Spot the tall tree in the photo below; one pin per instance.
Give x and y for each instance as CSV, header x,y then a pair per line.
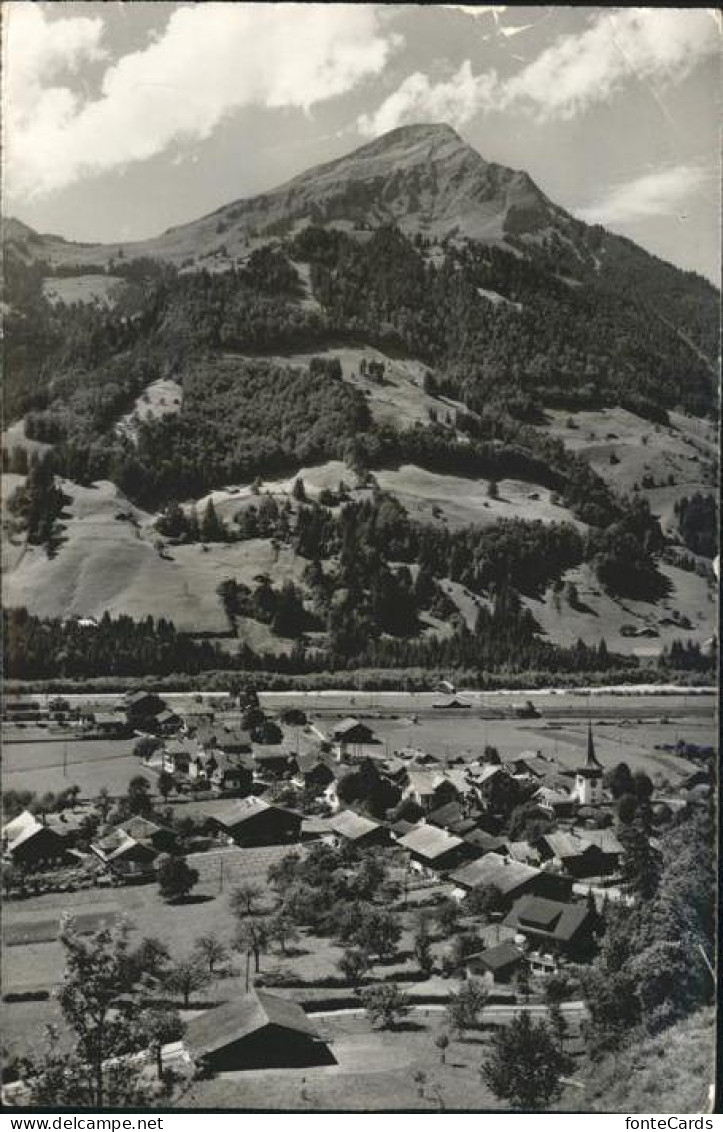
x,y
525,1065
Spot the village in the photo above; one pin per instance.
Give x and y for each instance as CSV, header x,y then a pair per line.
x,y
300,879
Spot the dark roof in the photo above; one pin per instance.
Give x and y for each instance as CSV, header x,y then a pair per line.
x,y
403,827
446,816
220,1027
485,841
551,918
139,696
591,768
500,956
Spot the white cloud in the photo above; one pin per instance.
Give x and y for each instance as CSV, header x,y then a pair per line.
x,y
662,193
213,58
576,71
417,100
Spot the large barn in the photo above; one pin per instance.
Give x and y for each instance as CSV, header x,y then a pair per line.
x,y
256,1031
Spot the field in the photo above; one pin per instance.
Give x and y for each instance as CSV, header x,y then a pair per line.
x,y
108,560
685,451
88,763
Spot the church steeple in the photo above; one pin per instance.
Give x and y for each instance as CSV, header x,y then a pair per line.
x,y
588,777
591,762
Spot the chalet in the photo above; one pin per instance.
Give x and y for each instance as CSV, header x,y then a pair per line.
x,y
166,723
31,845
256,1031
574,855
252,821
433,849
273,762
231,772
430,789
559,803
110,724
530,765
453,818
312,772
142,708
562,929
352,732
512,878
498,965
149,832
610,851
178,754
233,741
126,857
353,829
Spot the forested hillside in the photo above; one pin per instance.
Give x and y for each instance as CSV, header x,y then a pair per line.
x,y
503,333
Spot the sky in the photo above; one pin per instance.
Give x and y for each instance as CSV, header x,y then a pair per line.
x,y
123,119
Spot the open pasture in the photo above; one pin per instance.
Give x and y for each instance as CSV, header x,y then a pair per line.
x,y
88,763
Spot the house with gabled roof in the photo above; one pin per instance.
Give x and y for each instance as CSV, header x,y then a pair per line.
x,y
498,965
253,821
433,849
352,732
355,829
430,789
313,772
125,856
31,845
153,833
256,1031
511,878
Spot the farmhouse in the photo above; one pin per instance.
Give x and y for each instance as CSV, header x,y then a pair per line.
x,y
512,878
142,708
252,821
273,762
575,855
110,724
497,965
125,856
256,1031
563,929
166,722
312,772
351,733
356,830
152,833
432,848
430,789
30,844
